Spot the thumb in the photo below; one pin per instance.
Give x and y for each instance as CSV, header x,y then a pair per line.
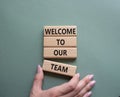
x,y
37,83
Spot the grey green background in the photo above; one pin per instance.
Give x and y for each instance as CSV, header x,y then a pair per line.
x,y
21,43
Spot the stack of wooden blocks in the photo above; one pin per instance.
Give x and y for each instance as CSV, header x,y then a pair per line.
x,y
60,42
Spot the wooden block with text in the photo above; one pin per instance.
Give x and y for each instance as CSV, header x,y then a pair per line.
x,y
51,31
60,42
62,53
59,68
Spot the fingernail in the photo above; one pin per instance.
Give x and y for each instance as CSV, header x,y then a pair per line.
x,y
89,94
91,76
78,75
92,83
38,69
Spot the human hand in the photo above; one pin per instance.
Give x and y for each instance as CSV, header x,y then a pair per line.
x,y
73,88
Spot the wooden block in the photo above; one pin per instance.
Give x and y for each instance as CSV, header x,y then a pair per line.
x,y
60,53
60,41
60,31
59,68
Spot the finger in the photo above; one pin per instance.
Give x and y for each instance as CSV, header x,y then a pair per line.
x,y
88,87
80,86
38,78
66,87
88,94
